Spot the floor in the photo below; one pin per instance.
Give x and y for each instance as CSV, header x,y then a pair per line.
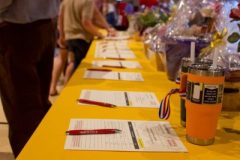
x,y
5,149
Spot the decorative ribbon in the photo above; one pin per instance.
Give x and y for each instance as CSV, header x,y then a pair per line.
x,y
173,13
164,110
218,40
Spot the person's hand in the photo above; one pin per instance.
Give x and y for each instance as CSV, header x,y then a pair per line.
x,y
112,32
61,42
101,36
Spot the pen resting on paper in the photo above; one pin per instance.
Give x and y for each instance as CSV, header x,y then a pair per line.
x,y
91,102
93,131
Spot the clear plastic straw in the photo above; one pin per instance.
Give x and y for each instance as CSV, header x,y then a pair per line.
x,y
192,52
215,58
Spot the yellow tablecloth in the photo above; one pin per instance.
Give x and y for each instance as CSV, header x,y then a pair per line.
x,y
48,140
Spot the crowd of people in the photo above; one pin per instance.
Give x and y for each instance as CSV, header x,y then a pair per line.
x,y
76,28
115,18
30,32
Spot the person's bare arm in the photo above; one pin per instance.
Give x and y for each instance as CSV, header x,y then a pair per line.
x,y
88,16
99,19
61,40
91,28
101,22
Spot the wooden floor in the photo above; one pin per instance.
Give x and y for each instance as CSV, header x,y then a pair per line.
x,y
6,156
5,149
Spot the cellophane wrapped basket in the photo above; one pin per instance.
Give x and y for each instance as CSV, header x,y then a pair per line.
x,y
228,53
194,22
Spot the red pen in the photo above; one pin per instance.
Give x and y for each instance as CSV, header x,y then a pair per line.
x,y
103,104
96,69
113,66
115,58
93,131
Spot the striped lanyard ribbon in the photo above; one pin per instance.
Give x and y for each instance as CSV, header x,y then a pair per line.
x,y
164,110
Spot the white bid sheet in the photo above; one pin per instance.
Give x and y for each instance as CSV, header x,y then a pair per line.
x,y
122,98
148,136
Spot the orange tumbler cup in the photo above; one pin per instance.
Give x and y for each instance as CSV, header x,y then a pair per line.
x,y
203,103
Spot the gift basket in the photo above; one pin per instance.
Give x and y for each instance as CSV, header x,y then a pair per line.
x,y
193,24
153,47
164,12
227,50
152,35
149,18
209,84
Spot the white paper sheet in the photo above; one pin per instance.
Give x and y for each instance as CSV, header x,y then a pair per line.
x,y
123,42
115,55
118,36
110,48
113,50
122,98
112,45
124,76
122,37
148,136
125,64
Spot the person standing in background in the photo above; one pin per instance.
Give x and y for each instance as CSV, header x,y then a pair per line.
x,y
129,9
61,62
111,13
27,42
136,5
81,22
122,19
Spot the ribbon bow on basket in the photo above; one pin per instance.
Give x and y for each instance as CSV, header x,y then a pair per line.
x,y
218,40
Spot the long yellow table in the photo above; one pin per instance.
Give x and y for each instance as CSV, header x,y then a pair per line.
x,y
47,142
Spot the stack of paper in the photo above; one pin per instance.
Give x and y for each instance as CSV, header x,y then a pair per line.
x,y
149,136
